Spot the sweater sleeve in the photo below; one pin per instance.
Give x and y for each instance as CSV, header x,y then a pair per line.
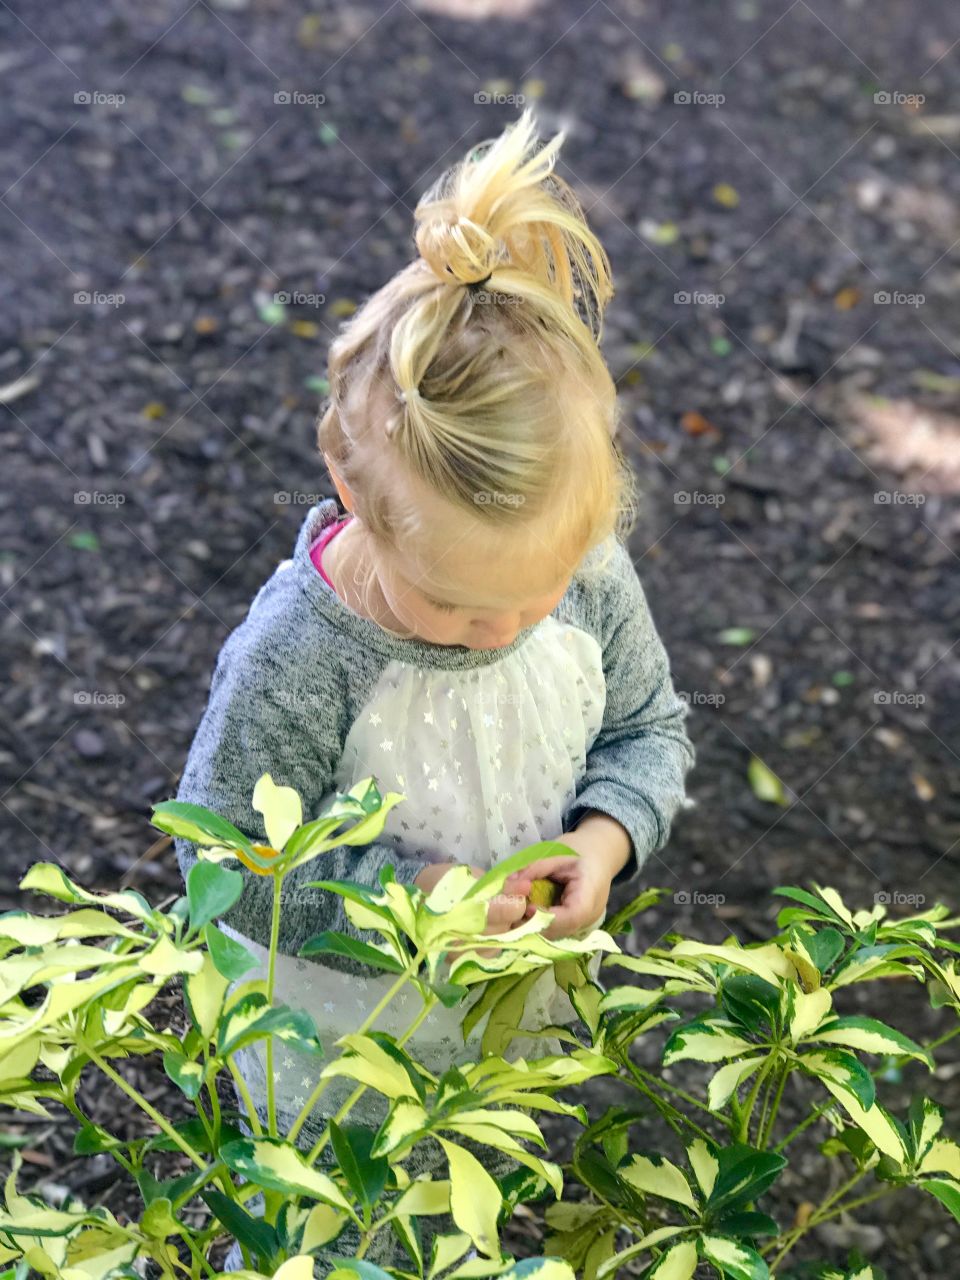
x,y
637,765
258,721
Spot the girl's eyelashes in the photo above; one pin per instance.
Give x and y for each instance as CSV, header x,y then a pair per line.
x,y
441,608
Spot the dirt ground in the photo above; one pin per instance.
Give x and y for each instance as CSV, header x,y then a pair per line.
x,y
777,187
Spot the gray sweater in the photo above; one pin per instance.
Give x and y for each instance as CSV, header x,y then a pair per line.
x,y
298,683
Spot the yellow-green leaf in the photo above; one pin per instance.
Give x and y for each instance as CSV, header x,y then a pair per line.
x,y
809,1010
281,809
655,1176
475,1198
678,1263
704,1164
765,783
728,1078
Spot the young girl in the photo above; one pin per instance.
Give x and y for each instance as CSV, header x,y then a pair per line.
x,y
473,633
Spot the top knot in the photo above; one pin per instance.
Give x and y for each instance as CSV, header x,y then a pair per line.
x,y
503,210
458,251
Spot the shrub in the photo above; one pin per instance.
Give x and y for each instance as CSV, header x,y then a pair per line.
x,y
79,992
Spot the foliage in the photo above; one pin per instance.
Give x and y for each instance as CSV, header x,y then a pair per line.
x,y
78,1002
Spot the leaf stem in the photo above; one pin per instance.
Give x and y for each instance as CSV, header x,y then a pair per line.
x,y
271,982
368,1022
144,1105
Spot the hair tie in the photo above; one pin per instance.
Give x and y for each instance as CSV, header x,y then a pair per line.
x,y
478,284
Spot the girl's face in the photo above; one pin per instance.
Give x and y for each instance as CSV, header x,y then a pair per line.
x,y
480,603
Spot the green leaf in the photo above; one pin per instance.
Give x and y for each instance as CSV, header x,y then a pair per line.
x,y
91,1139
279,1166
678,1263
871,1036
365,1175
750,1000
744,1175
340,944
475,1198
746,1224
653,1175
737,635
254,1233
947,1192
251,1018
704,1163
843,1070
211,892
824,947
734,1261
728,1078
230,958
765,783
705,1041
201,826
186,1075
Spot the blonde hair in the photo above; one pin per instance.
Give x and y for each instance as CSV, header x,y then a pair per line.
x,y
498,401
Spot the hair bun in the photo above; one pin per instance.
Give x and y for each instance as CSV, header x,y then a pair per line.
x,y
458,250
503,208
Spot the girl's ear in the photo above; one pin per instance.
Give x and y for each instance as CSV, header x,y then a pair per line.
x,y
346,497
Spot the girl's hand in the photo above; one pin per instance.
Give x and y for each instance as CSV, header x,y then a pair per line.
x,y
585,881
506,910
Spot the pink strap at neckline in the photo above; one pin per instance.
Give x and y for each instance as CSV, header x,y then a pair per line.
x,y
316,550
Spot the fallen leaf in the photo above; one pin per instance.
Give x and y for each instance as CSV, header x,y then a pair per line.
x,y
765,783
726,195
847,298
342,307
923,787
737,635
695,424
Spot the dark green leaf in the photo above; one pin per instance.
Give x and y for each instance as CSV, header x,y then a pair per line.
x,y
750,1000
340,944
744,1174
748,1225
179,818
211,891
823,947
366,1176
230,958
252,1232
948,1193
